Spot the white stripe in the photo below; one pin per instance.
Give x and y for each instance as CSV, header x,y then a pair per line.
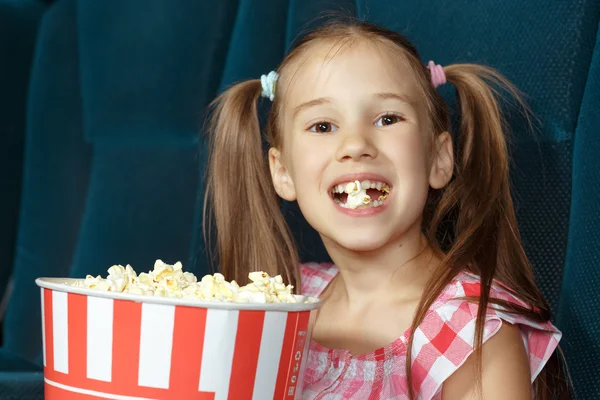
x,y
217,356
271,343
419,340
99,338
60,331
156,343
43,327
92,392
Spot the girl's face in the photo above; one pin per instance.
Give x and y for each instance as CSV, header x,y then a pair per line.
x,y
358,116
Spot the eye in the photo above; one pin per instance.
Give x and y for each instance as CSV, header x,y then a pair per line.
x,y
323,127
388,119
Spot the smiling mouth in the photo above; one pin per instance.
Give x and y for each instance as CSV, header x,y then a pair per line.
x,y
360,195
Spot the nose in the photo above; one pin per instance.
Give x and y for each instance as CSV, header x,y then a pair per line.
x,y
356,146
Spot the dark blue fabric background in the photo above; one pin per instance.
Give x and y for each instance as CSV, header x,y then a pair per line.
x,y
102,157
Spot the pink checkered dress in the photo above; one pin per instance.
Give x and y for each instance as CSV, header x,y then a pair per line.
x,y
441,345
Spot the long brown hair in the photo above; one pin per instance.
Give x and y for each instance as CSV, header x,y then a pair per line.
x,y
475,207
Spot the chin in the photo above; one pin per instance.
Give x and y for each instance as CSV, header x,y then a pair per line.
x,y
359,243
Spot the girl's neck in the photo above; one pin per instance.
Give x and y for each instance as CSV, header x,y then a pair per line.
x,y
397,271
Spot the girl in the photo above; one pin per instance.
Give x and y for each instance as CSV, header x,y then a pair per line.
x,y
430,295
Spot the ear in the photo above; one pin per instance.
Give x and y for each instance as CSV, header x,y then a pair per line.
x,y
284,186
442,164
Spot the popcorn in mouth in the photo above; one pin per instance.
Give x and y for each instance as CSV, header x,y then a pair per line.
x,y
360,195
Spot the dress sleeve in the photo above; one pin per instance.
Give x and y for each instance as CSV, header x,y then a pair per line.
x,y
315,277
445,338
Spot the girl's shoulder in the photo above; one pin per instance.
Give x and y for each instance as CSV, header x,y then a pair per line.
x,y
467,284
445,338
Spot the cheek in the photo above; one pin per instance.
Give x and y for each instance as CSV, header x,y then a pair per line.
x,y
413,175
308,159
409,160
305,173
408,155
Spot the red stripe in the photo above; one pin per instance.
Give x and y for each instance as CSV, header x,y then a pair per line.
x,y
77,306
245,356
303,320
55,393
286,356
127,317
131,390
48,330
299,345
304,341
297,353
186,356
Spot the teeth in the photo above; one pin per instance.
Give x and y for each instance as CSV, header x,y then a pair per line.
x,y
359,188
354,186
339,188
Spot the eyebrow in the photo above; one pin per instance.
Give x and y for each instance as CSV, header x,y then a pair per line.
x,y
311,103
394,96
324,100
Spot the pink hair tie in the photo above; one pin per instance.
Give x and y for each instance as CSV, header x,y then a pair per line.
x,y
438,77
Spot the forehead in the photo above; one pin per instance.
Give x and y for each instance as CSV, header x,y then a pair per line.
x,y
347,70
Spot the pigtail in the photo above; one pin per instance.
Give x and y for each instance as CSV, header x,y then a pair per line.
x,y
485,230
486,240
241,207
486,224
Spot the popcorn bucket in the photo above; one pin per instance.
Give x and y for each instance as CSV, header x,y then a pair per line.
x,y
112,345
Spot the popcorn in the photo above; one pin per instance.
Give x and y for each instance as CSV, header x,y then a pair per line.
x,y
189,277
357,195
353,187
170,281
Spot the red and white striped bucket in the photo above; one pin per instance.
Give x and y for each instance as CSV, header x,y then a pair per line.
x,y
124,346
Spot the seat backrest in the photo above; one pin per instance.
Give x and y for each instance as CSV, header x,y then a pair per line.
x,y
56,174
578,314
147,73
17,19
